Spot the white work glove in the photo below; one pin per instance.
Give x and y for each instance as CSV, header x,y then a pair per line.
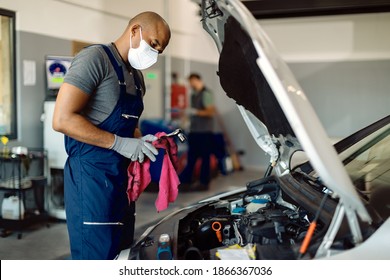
x,y
135,148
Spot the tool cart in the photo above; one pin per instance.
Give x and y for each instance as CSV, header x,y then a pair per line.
x,y
22,190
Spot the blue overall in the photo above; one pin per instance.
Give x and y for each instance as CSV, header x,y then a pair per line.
x,y
99,217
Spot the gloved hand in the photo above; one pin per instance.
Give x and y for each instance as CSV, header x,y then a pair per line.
x,y
149,138
136,148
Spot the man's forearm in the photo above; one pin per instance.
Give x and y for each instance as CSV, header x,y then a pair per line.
x,y
80,129
207,112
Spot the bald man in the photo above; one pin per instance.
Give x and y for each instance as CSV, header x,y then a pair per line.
x,y
97,109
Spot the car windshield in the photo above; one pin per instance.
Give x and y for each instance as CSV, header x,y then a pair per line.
x,y
367,162
369,169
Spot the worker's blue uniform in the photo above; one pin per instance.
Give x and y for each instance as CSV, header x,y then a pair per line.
x,y
100,219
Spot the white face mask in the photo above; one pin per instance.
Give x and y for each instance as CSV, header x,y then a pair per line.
x,y
142,57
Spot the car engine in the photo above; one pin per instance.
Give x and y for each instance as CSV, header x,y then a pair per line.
x,y
260,218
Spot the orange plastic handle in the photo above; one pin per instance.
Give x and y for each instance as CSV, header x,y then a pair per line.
x,y
308,237
216,226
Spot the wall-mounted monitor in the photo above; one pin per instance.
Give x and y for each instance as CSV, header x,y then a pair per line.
x,y
56,69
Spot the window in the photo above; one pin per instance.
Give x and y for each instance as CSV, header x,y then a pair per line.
x,y
7,75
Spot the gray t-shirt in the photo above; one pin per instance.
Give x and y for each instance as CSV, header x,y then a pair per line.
x,y
201,100
92,72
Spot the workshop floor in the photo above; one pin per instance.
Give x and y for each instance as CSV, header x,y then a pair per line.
x,y
50,241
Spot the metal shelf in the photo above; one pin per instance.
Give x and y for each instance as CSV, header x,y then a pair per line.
x,y
23,176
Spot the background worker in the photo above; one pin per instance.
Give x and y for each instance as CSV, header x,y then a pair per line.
x,y
99,117
201,135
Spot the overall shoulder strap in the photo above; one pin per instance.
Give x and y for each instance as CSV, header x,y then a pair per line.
x,y
115,64
119,71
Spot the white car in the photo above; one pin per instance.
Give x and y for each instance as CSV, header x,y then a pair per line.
x,y
335,204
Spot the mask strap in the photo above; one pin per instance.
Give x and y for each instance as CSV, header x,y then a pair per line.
x,y
140,31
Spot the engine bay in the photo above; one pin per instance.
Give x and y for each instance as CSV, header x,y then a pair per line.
x,y
259,219
272,219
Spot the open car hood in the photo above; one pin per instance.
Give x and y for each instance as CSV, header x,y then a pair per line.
x,y
271,101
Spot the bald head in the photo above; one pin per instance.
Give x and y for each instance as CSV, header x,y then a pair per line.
x,y
148,18
153,25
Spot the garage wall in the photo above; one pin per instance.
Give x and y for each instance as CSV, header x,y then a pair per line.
x,y
92,20
346,95
355,37
30,98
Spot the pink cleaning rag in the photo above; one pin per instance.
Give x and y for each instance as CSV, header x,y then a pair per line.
x,y
139,174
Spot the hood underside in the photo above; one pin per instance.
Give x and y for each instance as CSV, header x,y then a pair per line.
x,y
242,80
